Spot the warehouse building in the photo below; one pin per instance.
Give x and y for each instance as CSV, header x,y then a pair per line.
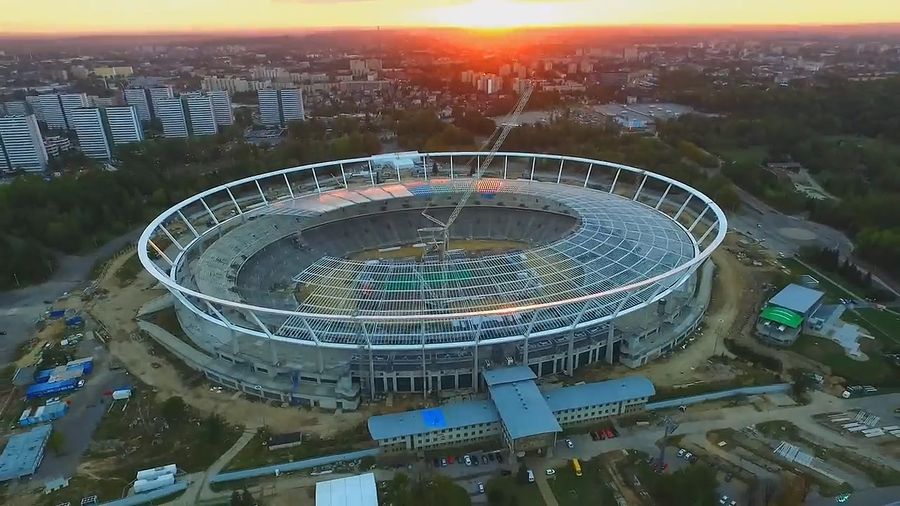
x,y
23,453
351,491
518,412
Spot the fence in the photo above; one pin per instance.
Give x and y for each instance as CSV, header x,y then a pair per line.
x,y
723,394
289,467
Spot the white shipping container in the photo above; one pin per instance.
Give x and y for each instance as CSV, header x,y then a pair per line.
x,y
121,394
875,434
851,425
151,474
159,482
856,429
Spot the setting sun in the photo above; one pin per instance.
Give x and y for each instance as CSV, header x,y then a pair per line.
x,y
502,14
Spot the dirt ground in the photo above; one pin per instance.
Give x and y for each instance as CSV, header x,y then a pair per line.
x,y
116,312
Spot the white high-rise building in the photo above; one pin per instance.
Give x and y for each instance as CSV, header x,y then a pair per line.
x,y
15,108
200,109
292,105
170,112
221,103
92,138
35,102
157,94
21,145
124,124
52,111
137,97
269,107
72,101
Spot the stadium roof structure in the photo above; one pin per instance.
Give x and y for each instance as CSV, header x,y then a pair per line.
x,y
356,490
783,316
797,298
638,236
23,453
587,394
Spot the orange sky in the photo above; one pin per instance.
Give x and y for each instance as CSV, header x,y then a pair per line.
x,y
116,16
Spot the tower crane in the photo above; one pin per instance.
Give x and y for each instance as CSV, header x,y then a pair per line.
x,y
441,232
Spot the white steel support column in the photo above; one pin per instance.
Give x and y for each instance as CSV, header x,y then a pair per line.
x,y
220,315
615,180
320,362
571,351
591,166
287,183
664,195
477,164
160,252
612,326
186,222
505,165
371,361
699,217
451,167
640,187
208,210
268,334
233,201
528,337
475,361
316,179
397,166
343,175
715,226
261,194
533,161
683,206
559,175
371,173
171,238
424,370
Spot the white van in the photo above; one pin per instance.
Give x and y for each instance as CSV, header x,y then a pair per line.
x,y
530,476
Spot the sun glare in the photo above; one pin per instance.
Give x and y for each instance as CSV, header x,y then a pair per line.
x,y
500,14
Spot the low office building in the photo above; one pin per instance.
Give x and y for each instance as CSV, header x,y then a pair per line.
x,y
522,416
24,453
784,315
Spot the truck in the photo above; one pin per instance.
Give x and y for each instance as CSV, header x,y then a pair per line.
x,y
39,390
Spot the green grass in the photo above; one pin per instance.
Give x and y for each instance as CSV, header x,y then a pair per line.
x,y
883,325
525,495
255,454
874,371
752,154
591,488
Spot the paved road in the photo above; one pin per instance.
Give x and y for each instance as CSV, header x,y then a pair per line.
x,y
20,308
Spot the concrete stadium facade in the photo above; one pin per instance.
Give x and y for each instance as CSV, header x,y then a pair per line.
x,y
602,263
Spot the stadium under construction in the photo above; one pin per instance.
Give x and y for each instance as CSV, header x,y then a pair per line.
x,y
327,283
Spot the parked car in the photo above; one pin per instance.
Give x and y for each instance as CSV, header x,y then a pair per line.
x,y
443,462
594,435
681,452
569,443
550,472
480,487
450,459
491,457
437,463
499,458
727,501
688,455
694,459
530,476
468,460
474,461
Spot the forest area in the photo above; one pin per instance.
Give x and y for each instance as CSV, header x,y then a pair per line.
x,y
845,134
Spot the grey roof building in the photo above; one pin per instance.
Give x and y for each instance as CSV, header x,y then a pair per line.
x,y
518,412
24,453
797,298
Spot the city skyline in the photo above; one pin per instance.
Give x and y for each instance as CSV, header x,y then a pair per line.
x,y
204,16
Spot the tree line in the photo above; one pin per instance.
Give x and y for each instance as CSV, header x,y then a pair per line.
x,y
845,133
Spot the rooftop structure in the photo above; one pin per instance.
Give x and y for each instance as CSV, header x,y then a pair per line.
x,y
23,453
797,298
459,414
351,491
617,390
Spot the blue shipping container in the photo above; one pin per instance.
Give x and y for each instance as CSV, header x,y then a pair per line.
x,y
75,321
47,389
57,314
48,414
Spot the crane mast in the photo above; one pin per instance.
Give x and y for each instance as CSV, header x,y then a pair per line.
x,y
443,243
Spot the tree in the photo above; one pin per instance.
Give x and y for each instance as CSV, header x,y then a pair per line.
x,y
174,410
57,442
495,496
690,486
213,428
